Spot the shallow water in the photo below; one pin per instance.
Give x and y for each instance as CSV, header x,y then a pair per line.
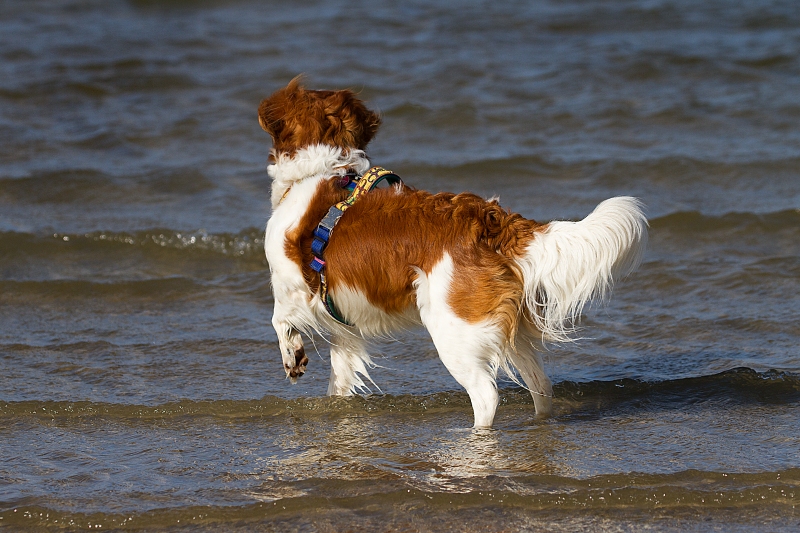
x,y
142,387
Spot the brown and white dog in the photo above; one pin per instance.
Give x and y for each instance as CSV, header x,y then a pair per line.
x,y
489,285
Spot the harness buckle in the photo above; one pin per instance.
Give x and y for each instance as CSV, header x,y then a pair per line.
x,y
317,265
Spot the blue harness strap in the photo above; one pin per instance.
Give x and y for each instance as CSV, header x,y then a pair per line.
x,y
322,234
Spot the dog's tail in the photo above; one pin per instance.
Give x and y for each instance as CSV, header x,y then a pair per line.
x,y
568,264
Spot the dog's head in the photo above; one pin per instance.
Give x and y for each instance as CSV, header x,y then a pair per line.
x,y
295,118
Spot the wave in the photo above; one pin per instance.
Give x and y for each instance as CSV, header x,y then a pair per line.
x,y
675,65
100,81
672,170
248,244
758,250
737,385
87,186
696,222
491,502
154,288
769,240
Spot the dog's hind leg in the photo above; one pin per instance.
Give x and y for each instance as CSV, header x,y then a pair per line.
x,y
349,358
463,352
470,351
528,362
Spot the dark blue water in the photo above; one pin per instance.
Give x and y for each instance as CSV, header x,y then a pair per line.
x,y
142,386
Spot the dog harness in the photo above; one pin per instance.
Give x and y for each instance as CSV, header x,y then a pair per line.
x,y
359,187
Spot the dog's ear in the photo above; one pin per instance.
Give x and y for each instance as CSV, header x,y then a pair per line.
x,y
273,110
349,123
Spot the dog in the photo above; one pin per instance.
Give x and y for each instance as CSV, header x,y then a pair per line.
x,y
489,285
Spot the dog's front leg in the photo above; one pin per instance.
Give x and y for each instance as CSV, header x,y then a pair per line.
x,y
293,353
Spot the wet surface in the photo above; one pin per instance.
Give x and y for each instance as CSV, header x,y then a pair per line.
x,y
142,384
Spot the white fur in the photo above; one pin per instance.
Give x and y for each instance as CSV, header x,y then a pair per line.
x,y
368,320
317,160
563,268
349,358
572,263
471,352
295,182
474,353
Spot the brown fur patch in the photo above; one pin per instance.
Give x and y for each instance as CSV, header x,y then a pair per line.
x,y
298,241
379,240
296,117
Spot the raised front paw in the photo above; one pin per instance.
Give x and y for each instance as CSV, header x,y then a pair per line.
x,y
300,362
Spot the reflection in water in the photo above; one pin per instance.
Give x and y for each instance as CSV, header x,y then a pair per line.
x,y
463,454
432,455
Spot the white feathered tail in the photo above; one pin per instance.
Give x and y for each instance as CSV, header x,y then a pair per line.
x,y
571,263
